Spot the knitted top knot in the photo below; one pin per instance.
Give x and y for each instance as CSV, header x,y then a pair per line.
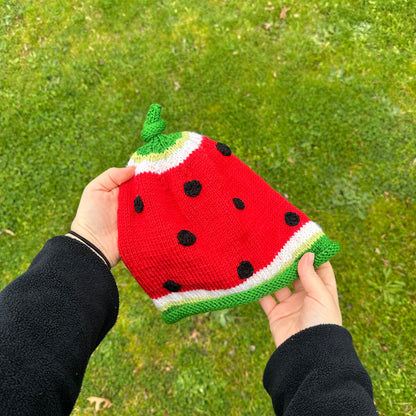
x,y
156,142
154,125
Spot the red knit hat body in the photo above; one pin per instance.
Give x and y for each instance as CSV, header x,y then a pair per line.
x,y
200,231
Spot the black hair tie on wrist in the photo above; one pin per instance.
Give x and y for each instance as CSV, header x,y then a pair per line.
x,y
92,246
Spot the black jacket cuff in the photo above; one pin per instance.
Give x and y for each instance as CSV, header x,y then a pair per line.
x,y
317,372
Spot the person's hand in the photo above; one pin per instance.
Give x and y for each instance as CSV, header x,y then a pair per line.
x,y
96,218
313,302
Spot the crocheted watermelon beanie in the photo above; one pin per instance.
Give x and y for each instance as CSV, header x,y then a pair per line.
x,y
200,231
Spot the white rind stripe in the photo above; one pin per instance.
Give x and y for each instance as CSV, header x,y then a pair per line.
x,y
283,259
175,158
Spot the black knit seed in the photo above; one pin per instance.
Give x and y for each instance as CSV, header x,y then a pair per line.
x,y
292,219
239,204
224,149
186,238
172,286
138,204
192,188
245,270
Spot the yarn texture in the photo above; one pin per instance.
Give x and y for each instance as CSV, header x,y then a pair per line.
x,y
200,231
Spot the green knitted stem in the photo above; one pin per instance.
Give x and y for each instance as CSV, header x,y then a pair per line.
x,y
324,250
154,125
156,142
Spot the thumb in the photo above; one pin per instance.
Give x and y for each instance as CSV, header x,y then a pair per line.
x,y
121,175
114,177
310,280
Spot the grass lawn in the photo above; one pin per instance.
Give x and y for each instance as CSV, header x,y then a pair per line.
x,y
320,102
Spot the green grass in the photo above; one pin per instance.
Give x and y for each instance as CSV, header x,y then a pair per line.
x,y
321,104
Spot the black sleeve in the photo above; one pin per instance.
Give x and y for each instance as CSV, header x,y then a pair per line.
x,y
317,372
51,320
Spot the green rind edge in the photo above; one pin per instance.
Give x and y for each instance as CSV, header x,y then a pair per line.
x,y
324,250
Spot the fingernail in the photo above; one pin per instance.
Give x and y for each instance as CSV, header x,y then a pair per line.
x,y
311,258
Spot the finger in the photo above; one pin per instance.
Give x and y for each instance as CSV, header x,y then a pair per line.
x,y
282,294
114,177
310,280
297,285
326,273
268,303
